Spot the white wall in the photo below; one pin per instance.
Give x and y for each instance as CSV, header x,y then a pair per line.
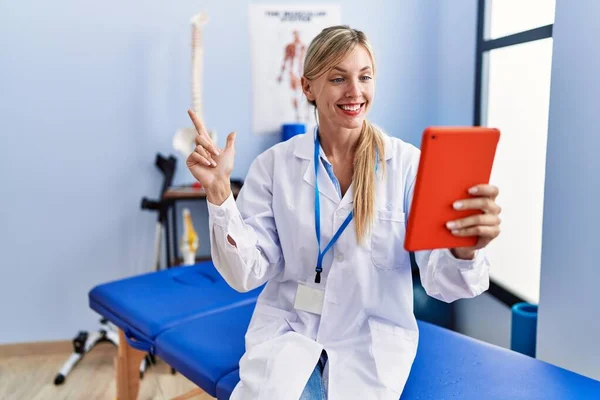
x,y
485,318
455,62
90,91
569,312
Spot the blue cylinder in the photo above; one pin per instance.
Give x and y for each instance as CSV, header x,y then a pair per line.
x,y
524,328
290,130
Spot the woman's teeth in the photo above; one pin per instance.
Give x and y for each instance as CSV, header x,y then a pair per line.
x,y
350,108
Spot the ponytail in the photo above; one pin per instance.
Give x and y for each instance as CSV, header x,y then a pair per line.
x,y
369,150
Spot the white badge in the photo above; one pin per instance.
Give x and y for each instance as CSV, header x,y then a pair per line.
x,y
309,299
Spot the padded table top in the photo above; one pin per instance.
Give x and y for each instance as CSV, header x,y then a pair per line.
x,y
449,365
207,348
148,304
226,385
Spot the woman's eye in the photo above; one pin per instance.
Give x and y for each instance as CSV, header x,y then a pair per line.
x,y
337,80
365,78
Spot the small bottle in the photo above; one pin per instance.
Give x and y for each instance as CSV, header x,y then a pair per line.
x,y
189,240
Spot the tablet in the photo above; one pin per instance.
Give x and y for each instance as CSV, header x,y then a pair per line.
x,y
453,159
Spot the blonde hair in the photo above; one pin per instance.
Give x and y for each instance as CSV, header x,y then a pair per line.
x,y
327,49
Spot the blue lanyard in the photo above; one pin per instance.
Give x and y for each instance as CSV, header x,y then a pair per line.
x,y
341,229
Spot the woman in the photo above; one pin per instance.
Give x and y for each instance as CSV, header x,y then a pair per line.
x,y
332,321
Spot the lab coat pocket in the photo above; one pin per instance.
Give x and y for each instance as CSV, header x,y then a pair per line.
x,y
394,350
387,240
268,322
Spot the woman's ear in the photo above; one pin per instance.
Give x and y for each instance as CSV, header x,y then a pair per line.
x,y
307,89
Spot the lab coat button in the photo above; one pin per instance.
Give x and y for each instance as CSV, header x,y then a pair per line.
x,y
339,257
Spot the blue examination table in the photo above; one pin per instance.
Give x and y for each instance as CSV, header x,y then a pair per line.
x,y
147,305
191,319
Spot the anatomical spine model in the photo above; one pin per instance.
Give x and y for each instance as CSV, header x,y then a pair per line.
x,y
183,141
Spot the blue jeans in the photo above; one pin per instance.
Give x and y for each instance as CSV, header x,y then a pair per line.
x,y
314,389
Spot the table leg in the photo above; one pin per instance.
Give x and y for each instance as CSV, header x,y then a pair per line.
x,y
167,236
127,365
175,247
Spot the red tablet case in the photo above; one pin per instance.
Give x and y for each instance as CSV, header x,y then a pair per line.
x,y
453,159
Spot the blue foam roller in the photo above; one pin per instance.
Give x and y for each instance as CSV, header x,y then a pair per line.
x,y
290,130
524,328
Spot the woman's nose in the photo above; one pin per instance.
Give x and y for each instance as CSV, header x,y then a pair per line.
x,y
353,89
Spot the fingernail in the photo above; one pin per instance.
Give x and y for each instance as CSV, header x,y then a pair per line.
x,y
458,205
473,190
455,231
451,225
208,164
214,164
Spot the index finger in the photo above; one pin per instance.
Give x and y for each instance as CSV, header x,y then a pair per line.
x,y
202,131
197,123
485,190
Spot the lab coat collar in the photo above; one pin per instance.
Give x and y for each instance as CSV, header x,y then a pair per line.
x,y
304,149
326,186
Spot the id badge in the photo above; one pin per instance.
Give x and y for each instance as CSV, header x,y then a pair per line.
x,y
309,299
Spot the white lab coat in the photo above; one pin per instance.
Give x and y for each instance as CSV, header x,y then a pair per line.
x,y
367,326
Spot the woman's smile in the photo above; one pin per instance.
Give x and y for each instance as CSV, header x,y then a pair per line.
x,y
351,109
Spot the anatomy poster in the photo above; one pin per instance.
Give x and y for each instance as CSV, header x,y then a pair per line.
x,y
279,37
